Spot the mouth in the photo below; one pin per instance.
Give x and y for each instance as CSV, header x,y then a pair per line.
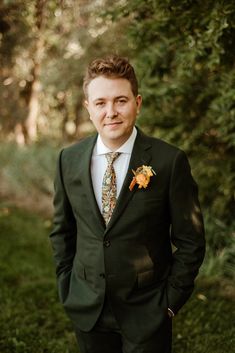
x,y
114,123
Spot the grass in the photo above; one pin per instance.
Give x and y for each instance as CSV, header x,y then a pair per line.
x,y
31,318
33,321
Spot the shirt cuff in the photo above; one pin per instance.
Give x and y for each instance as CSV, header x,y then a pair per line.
x,y
170,312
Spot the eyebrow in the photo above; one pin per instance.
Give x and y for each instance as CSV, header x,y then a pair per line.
x,y
118,97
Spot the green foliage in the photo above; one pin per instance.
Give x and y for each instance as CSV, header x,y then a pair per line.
x,y
184,52
219,260
32,319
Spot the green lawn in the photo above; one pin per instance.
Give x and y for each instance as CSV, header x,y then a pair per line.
x,y
33,321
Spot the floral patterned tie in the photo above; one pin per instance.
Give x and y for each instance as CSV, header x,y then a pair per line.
x,y
109,187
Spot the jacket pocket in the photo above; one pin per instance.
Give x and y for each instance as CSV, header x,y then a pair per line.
x,y
146,278
63,284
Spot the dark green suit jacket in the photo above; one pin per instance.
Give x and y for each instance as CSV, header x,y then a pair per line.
x,y
131,260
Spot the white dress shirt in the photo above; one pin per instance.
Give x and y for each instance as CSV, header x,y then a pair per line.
x,y
99,165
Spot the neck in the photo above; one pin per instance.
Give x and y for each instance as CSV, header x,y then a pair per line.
x,y
113,145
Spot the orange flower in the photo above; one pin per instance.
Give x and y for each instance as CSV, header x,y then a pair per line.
x,y
141,177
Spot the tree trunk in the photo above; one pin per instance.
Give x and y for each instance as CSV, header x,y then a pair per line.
x,y
33,109
30,124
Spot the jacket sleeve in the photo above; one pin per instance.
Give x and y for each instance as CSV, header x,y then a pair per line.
x,y
187,233
63,235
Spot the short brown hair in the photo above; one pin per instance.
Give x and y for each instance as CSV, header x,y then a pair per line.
x,y
112,66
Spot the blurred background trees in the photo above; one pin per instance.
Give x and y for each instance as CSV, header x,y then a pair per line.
x,y
184,55
45,47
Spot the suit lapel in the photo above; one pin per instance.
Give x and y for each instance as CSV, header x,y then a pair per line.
x,y
140,156
87,183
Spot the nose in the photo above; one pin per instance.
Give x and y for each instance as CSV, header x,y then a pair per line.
x,y
111,112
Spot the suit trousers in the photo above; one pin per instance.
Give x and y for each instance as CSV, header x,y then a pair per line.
x,y
107,337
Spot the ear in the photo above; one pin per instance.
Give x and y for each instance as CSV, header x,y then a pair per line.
x,y
138,102
86,105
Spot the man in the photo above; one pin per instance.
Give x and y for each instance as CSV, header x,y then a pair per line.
x,y
121,200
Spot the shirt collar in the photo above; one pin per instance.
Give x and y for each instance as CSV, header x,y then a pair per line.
x,y
127,147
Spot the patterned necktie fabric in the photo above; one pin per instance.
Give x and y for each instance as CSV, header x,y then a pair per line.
x,y
109,187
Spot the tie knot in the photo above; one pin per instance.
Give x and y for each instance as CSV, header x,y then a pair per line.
x,y
111,156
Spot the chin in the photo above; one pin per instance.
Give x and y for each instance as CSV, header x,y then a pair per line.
x,y
114,134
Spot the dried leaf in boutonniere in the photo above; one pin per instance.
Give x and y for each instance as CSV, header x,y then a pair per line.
x,y
142,177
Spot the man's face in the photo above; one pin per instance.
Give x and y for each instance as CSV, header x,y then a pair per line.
x,y
113,108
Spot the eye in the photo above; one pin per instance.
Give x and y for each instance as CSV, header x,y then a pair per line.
x,y
122,101
99,104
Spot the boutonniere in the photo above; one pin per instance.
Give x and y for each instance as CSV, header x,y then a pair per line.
x,y
142,176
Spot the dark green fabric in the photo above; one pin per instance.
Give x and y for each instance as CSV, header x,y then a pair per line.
x,y
137,270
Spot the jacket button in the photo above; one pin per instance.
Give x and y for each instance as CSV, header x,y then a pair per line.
x,y
107,243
